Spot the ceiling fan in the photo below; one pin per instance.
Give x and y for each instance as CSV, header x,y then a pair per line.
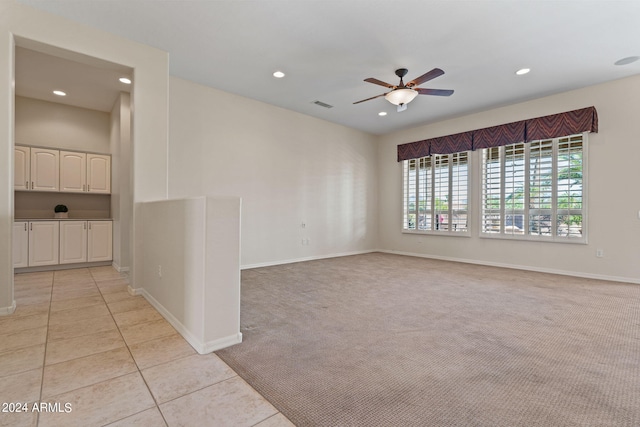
x,y
402,94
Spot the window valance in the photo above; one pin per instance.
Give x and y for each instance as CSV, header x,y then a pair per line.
x,y
496,136
552,126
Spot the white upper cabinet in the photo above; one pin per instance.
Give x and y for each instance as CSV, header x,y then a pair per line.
x,y
73,171
98,173
36,169
45,169
42,169
22,167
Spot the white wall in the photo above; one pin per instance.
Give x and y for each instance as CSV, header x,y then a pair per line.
x,y
191,261
49,124
150,97
288,168
613,200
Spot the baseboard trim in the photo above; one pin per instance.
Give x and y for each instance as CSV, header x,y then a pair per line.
x,y
121,270
200,346
311,258
220,343
5,311
519,267
134,291
57,267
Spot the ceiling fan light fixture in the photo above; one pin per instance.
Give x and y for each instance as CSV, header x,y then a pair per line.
x,y
401,96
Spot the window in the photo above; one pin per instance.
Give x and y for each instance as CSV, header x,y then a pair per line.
x,y
435,193
535,190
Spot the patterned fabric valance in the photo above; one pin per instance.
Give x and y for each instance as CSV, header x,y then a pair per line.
x,y
496,136
552,126
414,150
563,124
451,143
440,145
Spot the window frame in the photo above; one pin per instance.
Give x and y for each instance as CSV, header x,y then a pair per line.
x,y
433,160
555,238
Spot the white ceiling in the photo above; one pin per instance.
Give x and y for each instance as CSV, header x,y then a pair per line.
x,y
328,47
88,83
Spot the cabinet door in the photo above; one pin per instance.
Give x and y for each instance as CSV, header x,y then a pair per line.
x,y
73,242
73,171
98,173
20,244
45,169
100,241
43,243
21,167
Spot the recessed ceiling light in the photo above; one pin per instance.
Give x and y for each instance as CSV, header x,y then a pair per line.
x,y
523,71
382,113
627,60
125,80
278,74
59,93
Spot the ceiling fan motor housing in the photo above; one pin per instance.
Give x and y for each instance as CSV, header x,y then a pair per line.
x,y
401,72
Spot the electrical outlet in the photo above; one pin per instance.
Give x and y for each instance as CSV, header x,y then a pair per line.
x,y
600,253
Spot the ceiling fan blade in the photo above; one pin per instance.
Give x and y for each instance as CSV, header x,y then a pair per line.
x,y
426,77
379,82
437,92
369,99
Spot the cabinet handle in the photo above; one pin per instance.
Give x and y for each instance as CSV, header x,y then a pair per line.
x,y
84,186
25,226
31,226
88,187
27,185
85,225
32,185
89,226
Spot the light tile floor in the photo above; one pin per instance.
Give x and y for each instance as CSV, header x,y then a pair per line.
x,y
95,356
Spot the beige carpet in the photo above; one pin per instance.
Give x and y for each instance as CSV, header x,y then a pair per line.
x,y
387,340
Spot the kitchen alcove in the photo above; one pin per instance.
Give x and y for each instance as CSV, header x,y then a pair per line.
x,y
93,118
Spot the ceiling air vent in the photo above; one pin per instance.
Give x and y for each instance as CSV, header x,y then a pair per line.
x,y
322,104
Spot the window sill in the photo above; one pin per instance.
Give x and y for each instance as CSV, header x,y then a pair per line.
x,y
438,233
525,238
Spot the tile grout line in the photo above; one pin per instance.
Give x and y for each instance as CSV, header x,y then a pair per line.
x,y
201,388
269,417
94,282
130,355
46,343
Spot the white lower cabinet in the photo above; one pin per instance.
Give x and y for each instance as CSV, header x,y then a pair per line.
x,y
37,243
44,238
85,241
20,244
73,242
100,241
